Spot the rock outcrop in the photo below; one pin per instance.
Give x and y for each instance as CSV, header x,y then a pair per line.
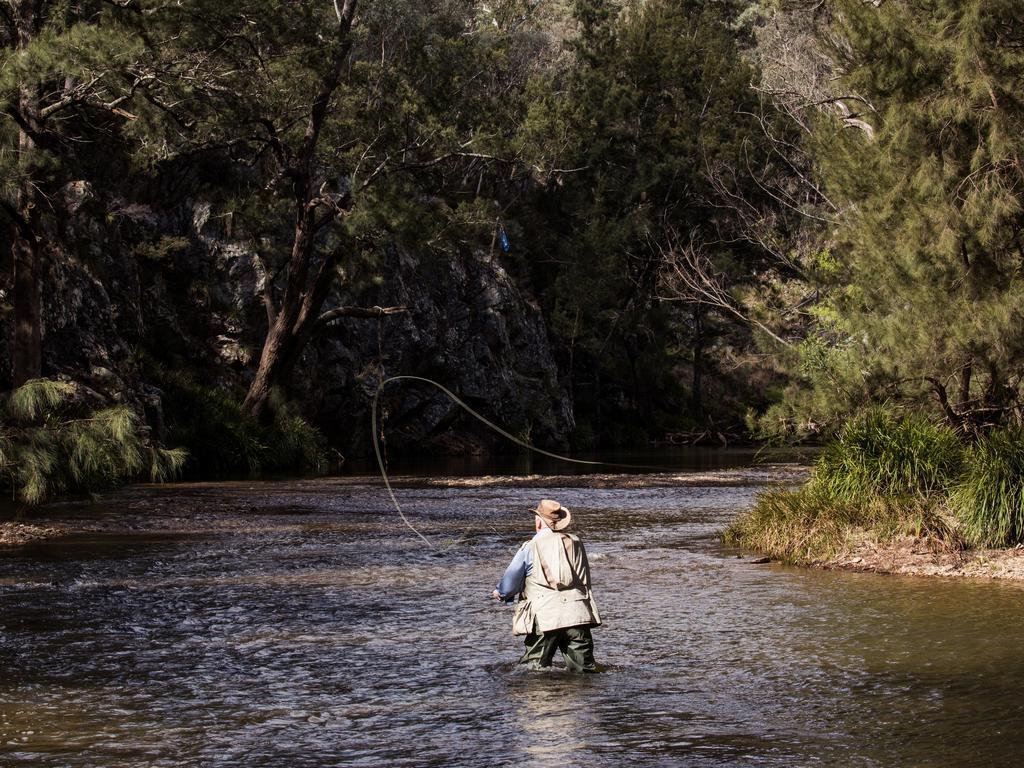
x,y
468,327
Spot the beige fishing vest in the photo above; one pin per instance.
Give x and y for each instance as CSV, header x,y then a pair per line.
x,y
557,590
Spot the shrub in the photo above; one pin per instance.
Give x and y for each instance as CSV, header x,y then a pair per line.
x,y
881,454
52,445
223,441
989,495
885,475
808,525
295,444
793,526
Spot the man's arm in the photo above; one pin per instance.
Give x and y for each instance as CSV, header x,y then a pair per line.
x,y
514,579
585,565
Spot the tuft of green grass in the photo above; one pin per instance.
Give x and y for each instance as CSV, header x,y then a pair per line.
x,y
885,475
989,495
808,526
297,444
793,526
884,454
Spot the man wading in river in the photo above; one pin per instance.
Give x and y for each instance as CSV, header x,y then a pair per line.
x,y
556,608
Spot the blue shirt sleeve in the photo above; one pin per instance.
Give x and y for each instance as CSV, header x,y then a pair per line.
x,y
514,580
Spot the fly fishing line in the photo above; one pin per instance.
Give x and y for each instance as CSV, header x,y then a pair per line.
x,y
504,433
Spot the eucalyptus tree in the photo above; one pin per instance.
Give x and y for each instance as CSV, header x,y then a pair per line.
x,y
343,125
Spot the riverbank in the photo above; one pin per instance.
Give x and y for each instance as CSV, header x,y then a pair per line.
x,y
913,556
806,529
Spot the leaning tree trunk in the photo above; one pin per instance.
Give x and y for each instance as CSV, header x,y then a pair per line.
x,y
272,371
289,329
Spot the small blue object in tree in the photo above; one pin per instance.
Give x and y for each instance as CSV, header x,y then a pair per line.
x,y
506,246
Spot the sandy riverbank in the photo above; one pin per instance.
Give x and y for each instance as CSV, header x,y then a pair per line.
x,y
911,556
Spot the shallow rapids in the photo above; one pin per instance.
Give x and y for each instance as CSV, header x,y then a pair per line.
x,y
299,624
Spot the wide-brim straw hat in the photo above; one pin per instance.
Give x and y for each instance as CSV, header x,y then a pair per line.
x,y
555,516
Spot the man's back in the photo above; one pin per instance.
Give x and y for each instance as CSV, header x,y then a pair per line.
x,y
557,608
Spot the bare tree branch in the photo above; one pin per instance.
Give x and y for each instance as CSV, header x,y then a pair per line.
x,y
690,276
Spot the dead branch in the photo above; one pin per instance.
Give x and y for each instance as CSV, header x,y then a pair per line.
x,y
691,277
331,315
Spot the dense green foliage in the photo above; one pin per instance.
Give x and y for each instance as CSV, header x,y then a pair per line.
x,y
51,444
733,215
989,495
919,287
597,133
652,105
923,296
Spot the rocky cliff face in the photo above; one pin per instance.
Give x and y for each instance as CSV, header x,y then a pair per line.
x,y
126,283
468,327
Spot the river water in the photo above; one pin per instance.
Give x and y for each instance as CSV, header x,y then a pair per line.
x,y
299,624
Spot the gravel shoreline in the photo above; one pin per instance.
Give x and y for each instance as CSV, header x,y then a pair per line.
x,y
18,534
910,556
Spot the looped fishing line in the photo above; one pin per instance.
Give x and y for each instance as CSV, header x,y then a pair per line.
x,y
455,399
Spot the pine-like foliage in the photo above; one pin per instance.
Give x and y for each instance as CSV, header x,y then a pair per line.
x,y
51,445
925,298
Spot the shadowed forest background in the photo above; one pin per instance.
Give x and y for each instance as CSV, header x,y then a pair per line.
x,y
602,224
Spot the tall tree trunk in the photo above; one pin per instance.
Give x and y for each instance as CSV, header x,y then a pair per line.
x,y
25,246
27,353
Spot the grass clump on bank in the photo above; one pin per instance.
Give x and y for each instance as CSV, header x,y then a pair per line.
x,y
988,497
884,455
52,444
885,475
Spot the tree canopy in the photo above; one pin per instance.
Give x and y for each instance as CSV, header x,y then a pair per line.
x,y
734,219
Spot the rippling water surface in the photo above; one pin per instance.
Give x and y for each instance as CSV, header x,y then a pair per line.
x,y
298,624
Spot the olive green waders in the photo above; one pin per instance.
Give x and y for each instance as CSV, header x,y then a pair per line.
x,y
575,643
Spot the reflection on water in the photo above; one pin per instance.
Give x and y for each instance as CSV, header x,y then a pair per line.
x,y
303,627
